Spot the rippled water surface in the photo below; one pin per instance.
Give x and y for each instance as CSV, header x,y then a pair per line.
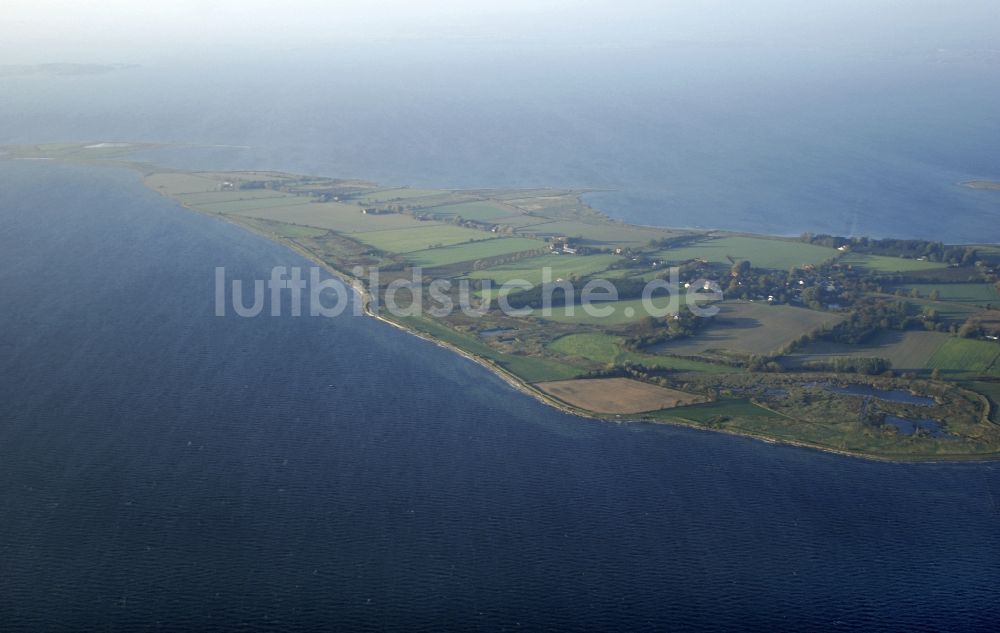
x,y
161,468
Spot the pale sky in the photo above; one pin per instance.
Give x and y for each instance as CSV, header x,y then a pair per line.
x,y
108,28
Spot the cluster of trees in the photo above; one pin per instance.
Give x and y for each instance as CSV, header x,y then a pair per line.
x,y
933,251
974,328
652,331
624,370
422,213
851,365
674,242
820,286
865,321
746,282
635,261
534,297
876,315
840,364
652,375
264,184
762,362
458,220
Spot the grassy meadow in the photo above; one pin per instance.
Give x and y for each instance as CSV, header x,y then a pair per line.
x,y
471,252
422,238
907,351
621,312
608,349
976,294
764,253
967,357
562,267
883,264
751,328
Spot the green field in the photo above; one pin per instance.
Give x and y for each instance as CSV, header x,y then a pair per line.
x,y
403,195
992,391
750,328
605,234
528,368
710,411
521,221
607,349
977,294
601,348
882,264
336,216
562,266
627,311
764,253
181,183
474,251
480,210
907,351
250,206
428,235
952,312
989,253
967,357
294,230
210,197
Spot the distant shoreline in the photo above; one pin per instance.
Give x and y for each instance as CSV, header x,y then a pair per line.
x,y
991,185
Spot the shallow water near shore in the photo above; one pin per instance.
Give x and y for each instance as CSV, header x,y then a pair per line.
x,y
159,464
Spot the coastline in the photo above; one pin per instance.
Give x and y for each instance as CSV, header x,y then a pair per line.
x,y
363,294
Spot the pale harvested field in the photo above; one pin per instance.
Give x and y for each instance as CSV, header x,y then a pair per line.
x,y
616,395
750,328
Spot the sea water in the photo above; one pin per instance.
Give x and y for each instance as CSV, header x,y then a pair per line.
x,y
164,468
748,138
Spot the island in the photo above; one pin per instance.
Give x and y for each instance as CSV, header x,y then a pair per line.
x,y
878,348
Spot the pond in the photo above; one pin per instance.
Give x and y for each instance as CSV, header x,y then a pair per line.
x,y
892,395
496,331
906,426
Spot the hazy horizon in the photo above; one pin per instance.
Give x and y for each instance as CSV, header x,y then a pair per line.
x,y
769,116
120,31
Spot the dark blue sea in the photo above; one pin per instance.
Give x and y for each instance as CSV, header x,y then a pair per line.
x,y
162,468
